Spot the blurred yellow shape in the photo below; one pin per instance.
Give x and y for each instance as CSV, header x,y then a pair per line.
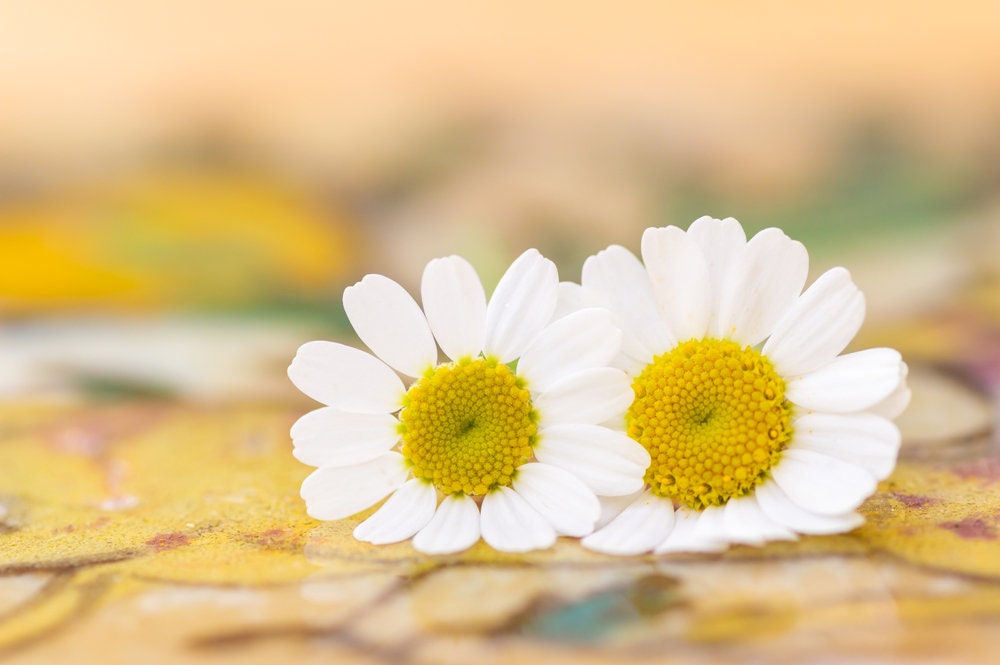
x,y
168,239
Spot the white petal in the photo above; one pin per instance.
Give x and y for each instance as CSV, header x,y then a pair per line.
x,y
522,304
576,342
615,278
679,274
639,528
711,525
454,527
746,523
329,437
455,306
608,462
782,510
822,484
851,382
722,242
818,326
612,506
862,439
510,524
590,396
407,511
762,286
558,496
631,365
333,493
572,297
346,378
682,537
894,405
389,321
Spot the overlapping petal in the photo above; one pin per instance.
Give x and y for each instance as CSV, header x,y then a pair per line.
x,y
510,524
862,439
722,241
590,396
407,511
614,278
762,285
330,437
643,525
583,340
568,505
818,325
390,323
333,493
453,528
522,304
682,537
851,382
608,462
679,274
455,305
822,484
782,510
346,378
748,524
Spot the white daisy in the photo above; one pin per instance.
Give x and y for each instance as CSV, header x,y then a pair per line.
x,y
472,447
757,428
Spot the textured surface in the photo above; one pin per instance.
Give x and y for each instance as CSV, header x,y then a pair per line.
x,y
156,531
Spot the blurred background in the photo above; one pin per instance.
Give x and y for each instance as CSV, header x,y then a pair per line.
x,y
186,187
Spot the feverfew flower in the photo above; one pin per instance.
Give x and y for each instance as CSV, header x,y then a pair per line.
x,y
757,428
504,441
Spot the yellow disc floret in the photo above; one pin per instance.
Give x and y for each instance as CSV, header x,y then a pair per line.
x,y
714,418
467,426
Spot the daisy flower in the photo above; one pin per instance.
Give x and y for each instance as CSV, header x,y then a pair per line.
x,y
503,441
756,427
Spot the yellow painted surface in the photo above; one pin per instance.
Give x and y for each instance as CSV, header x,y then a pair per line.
x,y
178,534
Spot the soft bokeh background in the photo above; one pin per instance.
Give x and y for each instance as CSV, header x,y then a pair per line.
x,y
186,187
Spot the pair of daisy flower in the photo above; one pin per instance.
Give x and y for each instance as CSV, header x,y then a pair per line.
x,y
686,402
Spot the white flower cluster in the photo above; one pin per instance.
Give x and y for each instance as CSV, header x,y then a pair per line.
x,y
685,402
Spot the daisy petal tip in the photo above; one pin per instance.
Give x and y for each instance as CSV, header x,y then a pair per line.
x,y
345,377
640,528
389,321
406,512
585,339
565,502
522,304
455,527
333,493
510,524
455,306
602,544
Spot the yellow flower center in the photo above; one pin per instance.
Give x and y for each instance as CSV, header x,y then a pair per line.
x,y
468,426
713,416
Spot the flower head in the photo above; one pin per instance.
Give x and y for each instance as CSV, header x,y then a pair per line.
x,y
757,428
504,440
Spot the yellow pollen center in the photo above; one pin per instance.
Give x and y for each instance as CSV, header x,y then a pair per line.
x,y
713,416
467,426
